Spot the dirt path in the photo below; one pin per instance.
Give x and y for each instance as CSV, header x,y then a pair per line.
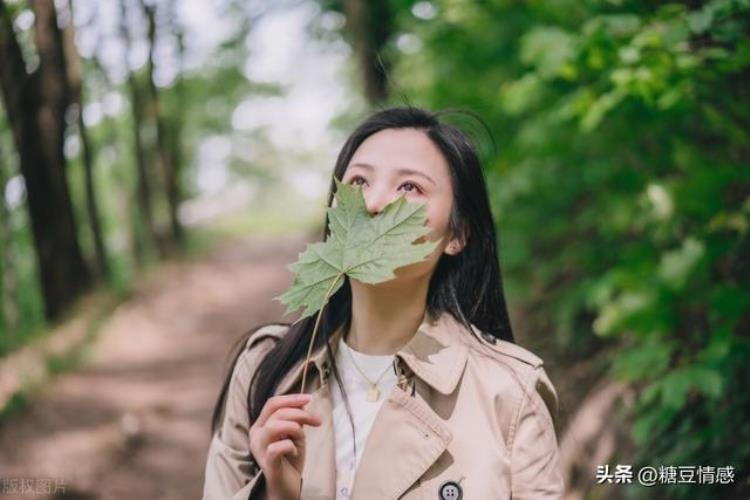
x,y
134,421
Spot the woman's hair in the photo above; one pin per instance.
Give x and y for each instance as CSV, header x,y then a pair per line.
x,y
468,286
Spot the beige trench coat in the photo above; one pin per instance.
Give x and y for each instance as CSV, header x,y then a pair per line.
x,y
475,412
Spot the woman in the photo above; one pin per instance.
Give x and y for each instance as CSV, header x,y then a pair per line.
x,y
415,388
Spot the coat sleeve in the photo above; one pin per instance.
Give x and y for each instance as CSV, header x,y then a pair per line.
x,y
535,459
231,471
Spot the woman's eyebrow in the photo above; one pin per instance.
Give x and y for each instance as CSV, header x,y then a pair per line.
x,y
400,171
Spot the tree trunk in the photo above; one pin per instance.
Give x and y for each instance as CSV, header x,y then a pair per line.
x,y
178,121
75,79
370,24
143,184
162,142
8,306
36,104
177,130
129,204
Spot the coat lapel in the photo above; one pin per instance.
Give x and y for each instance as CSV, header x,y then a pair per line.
x,y
407,436
319,474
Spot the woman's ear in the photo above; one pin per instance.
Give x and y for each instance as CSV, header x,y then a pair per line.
x,y
456,245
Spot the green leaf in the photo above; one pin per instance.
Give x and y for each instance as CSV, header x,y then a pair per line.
x,y
700,21
650,359
709,382
676,265
676,388
365,248
548,48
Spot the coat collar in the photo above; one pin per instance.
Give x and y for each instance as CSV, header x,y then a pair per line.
x,y
435,354
410,435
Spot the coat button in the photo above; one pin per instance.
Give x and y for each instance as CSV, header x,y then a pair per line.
x,y
489,337
450,490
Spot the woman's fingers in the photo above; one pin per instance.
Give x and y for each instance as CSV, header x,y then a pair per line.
x,y
282,419
276,402
277,449
303,417
277,430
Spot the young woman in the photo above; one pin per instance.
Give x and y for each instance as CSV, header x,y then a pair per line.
x,y
415,388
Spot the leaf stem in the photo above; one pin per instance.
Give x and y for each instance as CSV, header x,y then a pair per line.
x,y
315,329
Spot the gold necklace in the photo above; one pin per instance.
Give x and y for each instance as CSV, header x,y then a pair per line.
x,y
373,393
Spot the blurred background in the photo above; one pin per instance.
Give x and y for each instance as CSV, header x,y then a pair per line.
x,y
162,161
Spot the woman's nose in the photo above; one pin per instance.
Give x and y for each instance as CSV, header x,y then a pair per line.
x,y
376,200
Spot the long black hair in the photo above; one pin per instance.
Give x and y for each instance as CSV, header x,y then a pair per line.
x,y
468,285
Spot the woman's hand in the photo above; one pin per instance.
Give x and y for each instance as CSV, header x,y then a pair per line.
x,y
277,441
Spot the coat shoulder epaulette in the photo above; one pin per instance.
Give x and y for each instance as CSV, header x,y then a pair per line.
x,y
504,348
536,377
274,330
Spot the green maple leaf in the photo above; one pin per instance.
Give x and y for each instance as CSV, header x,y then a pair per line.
x,y
366,248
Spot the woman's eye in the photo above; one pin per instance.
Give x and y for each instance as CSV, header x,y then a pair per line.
x,y
410,187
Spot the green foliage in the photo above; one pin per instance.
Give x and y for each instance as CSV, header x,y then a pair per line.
x,y
621,189
21,307
363,247
197,104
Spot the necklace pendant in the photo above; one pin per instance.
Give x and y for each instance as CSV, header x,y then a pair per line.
x,y
373,393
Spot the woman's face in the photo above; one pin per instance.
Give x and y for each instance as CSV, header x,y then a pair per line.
x,y
393,162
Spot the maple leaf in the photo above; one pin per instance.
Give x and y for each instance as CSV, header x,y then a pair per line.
x,y
366,248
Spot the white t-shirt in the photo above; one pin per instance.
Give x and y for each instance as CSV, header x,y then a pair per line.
x,y
363,411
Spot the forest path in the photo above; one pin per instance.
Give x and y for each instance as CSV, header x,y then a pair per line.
x,y
133,420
